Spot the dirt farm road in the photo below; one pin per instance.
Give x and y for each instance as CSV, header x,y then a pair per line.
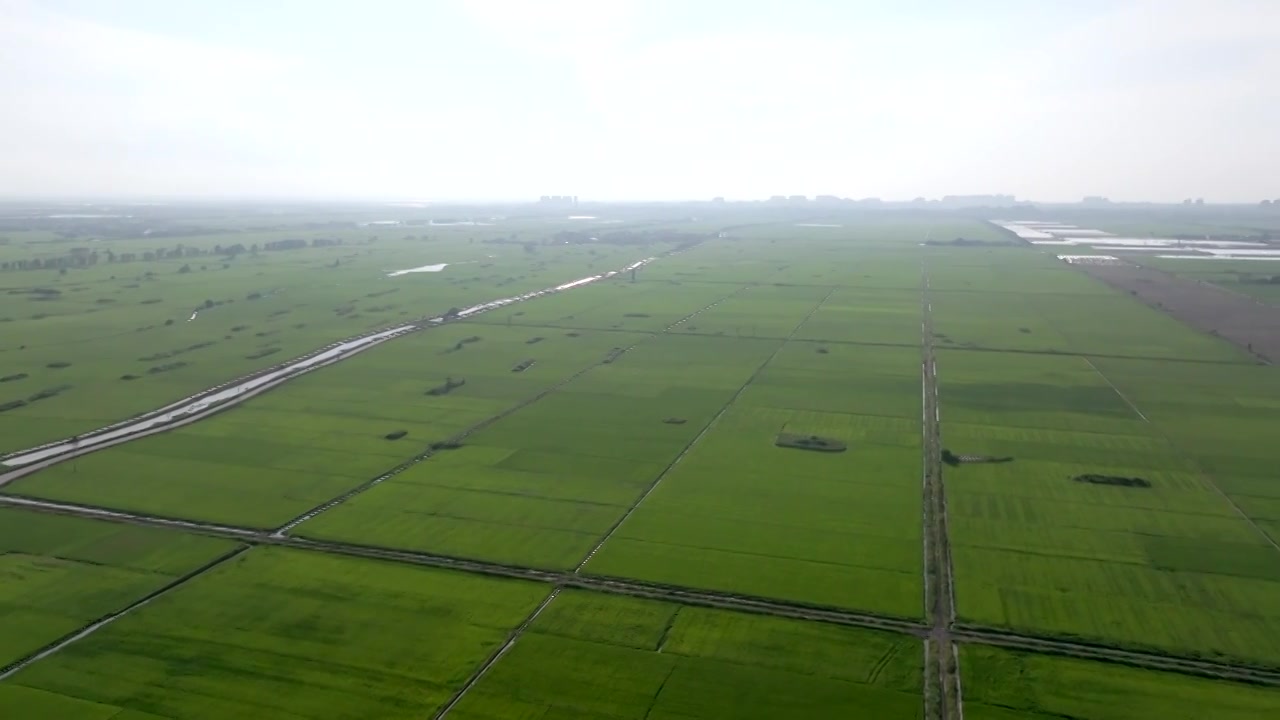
x,y
943,695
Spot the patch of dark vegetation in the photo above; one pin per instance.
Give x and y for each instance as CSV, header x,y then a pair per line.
x,y
130,377
211,304
636,315
396,435
262,353
48,393
278,313
613,354
266,333
299,326
179,351
240,328
1113,480
522,366
151,301
14,377
449,386
573,334
822,351
463,342
58,365
517,314
1261,280
675,421
132,286
809,442
380,293
955,460
166,367
105,301
39,292
533,340
445,445
12,405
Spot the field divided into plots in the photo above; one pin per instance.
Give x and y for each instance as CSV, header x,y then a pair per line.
x,y
59,573
741,514
544,485
607,658
1223,422
1172,565
119,338
541,486
1022,300
281,633
275,456
651,454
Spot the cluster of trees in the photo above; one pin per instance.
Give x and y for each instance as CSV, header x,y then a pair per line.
x,y
82,257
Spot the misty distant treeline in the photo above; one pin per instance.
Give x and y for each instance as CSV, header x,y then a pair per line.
x,y
83,257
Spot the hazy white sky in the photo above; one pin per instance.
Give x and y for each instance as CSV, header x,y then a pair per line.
x,y
645,99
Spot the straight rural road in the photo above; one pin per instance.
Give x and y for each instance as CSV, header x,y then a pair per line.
x,y
943,700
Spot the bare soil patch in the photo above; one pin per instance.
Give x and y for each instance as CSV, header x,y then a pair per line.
x,y
1241,320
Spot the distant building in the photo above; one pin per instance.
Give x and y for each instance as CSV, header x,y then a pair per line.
x,y
559,200
718,200
963,201
798,199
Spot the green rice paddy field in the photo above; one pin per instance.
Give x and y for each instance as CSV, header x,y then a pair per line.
x,y
1181,566
640,444
604,657
279,633
85,332
1004,685
62,573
